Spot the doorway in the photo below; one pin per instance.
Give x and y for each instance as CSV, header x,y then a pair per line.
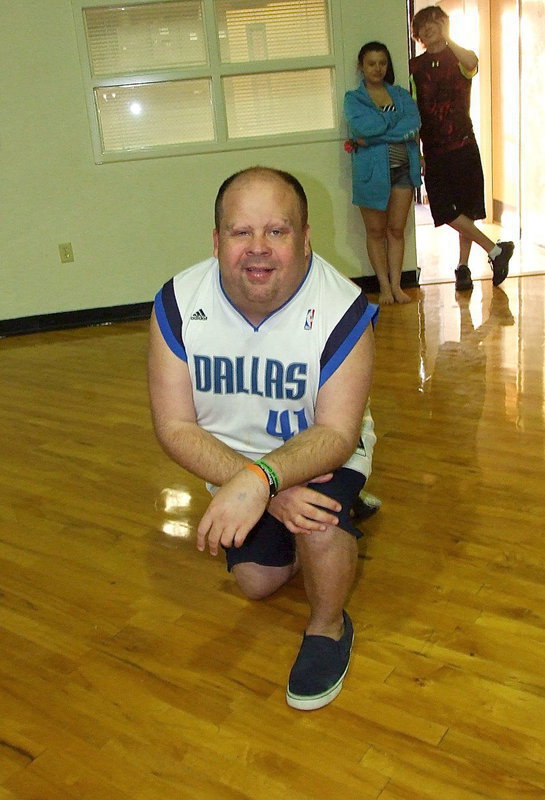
x,y
509,131
518,73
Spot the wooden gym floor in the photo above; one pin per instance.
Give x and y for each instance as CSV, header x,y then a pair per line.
x,y
132,668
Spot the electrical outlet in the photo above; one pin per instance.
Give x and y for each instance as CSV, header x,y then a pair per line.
x,y
66,253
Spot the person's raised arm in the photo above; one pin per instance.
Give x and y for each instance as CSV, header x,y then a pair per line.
x,y
466,58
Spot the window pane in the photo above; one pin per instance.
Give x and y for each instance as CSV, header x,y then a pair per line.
x,y
145,115
257,30
151,36
279,102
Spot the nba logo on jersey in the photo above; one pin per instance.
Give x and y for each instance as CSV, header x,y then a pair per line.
x,y
310,319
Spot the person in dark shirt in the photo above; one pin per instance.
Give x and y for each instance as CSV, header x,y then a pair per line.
x,y
453,174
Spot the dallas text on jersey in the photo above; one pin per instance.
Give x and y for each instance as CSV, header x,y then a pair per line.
x,y
264,377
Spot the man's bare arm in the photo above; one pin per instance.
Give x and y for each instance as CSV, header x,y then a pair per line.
x,y
174,417
467,58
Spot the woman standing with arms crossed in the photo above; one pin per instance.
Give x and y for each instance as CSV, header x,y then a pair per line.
x,y
384,121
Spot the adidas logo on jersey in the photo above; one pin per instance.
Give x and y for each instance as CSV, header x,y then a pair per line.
x,y
199,315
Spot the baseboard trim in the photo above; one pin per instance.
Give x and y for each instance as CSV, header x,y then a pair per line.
x,y
74,319
88,317
369,283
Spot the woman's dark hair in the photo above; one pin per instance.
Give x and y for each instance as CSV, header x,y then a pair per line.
x,y
381,48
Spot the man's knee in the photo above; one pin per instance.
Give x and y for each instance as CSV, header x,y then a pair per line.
x,y
258,582
321,542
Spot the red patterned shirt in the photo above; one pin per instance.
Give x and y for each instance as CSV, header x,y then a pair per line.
x,y
442,90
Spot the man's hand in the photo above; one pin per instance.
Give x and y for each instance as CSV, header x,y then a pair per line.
x,y
233,512
303,510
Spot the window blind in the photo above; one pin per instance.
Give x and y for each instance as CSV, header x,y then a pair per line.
x,y
145,37
254,30
279,102
154,114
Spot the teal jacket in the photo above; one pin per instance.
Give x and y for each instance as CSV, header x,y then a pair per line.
x,y
370,164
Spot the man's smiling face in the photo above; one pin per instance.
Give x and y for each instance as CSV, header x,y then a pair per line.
x,y
262,244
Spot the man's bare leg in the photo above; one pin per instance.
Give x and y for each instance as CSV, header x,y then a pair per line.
x,y
465,248
467,228
328,562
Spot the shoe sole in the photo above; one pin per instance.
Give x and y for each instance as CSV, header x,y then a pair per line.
x,y
315,701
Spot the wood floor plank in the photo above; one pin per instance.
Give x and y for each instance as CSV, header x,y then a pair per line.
x,y
133,668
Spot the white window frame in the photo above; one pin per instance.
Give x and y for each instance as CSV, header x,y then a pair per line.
x,y
216,70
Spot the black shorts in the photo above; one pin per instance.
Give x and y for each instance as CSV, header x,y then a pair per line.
x,y
271,544
455,185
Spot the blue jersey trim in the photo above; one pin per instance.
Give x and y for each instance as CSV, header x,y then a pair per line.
x,y
169,319
347,332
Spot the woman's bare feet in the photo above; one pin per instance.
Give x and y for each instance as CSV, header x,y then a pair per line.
x,y
400,296
386,298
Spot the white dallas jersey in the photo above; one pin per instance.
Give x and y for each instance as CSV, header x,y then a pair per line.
x,y
254,387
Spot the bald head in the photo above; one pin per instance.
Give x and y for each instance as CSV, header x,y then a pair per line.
x,y
262,173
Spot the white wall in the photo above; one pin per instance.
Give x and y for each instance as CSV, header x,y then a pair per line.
x,y
133,224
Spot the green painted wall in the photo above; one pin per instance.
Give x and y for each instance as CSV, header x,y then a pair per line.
x,y
133,224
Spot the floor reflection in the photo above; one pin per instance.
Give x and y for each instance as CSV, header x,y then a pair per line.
x,y
481,375
458,383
